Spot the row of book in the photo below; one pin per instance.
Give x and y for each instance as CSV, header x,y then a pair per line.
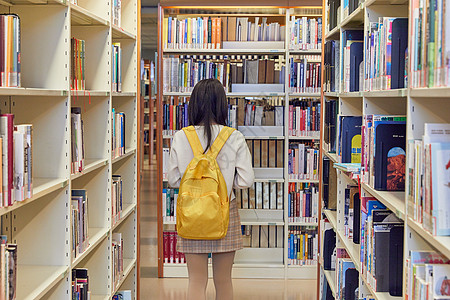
x,y
347,278
118,133
303,199
303,161
330,122
169,204
305,74
385,54
261,195
80,222
332,14
331,66
117,258
427,275
352,62
430,50
304,118
8,272
245,30
303,246
116,67
267,153
352,204
305,33
117,12
116,198
171,255
10,48
429,180
16,157
81,288
78,73
77,140
183,72
263,236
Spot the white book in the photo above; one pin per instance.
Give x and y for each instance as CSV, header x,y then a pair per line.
x,y
19,165
166,156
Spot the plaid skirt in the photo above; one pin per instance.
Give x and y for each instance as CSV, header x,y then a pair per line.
x,y
231,242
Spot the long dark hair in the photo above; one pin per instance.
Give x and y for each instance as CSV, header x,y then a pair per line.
x,y
208,106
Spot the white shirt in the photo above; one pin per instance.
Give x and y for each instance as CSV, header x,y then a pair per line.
x,y
234,160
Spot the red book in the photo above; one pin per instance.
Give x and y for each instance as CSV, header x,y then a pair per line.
x,y
7,133
171,247
166,247
171,117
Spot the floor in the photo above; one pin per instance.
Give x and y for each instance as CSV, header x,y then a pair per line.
x,y
153,287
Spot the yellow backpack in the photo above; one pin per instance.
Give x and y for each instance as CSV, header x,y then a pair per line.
x,y
203,207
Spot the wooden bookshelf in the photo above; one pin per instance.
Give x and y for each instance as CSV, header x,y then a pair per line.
x,y
45,99
249,262
420,105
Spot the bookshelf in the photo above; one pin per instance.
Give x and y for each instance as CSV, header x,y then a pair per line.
x,y
45,99
250,262
419,105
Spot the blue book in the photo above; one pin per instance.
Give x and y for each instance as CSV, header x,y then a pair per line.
x,y
350,139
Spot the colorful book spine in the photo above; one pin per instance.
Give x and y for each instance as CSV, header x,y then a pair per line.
x,y
305,33
304,118
171,255
303,199
302,246
305,74
303,161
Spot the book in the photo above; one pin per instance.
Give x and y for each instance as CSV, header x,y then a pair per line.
x,y
330,126
122,295
80,284
117,12
302,246
331,66
262,236
261,195
80,222
171,255
118,134
23,158
304,118
304,74
116,197
117,258
78,63
7,135
349,144
116,66
302,202
305,33
77,140
10,51
352,49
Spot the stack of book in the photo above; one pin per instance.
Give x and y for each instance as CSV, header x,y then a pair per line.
x,y
381,247
304,118
383,157
303,200
80,284
116,67
183,72
78,74
117,255
169,204
305,34
192,33
426,275
10,50
429,180
117,12
352,43
331,66
385,54
116,198
262,195
305,74
263,236
429,53
8,272
77,140
118,133
303,161
80,222
171,255
303,246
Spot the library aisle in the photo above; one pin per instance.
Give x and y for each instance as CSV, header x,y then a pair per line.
x,y
153,287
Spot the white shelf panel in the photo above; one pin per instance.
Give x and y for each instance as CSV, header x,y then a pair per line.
x,y
387,93
247,137
91,165
96,236
302,224
262,222
350,95
332,156
378,295
440,243
99,297
34,281
302,272
306,137
395,201
430,92
272,180
379,2
83,17
262,94
356,16
352,249
331,278
128,152
120,33
123,94
331,94
127,211
10,91
332,217
303,181
129,264
42,187
333,34
305,95
89,93
224,51
305,52
31,2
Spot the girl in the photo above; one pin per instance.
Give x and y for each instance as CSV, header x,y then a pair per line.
x,y
208,112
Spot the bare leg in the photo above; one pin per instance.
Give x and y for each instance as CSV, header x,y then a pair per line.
x,y
222,265
198,276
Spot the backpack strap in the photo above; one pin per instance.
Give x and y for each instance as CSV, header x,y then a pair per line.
x,y
193,139
223,136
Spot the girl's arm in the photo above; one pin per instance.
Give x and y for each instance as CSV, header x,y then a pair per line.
x,y
173,172
244,170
